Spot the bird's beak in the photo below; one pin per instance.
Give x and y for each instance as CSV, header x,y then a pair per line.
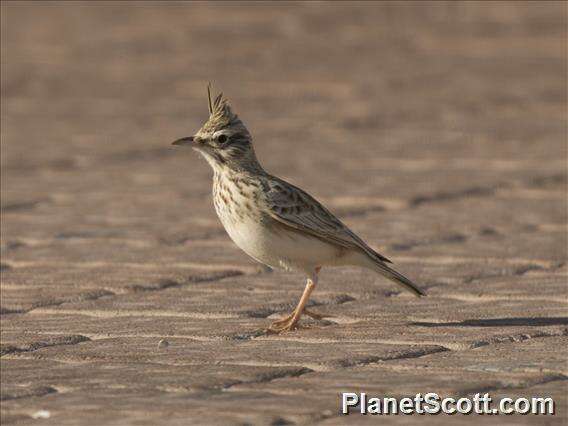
x,y
184,141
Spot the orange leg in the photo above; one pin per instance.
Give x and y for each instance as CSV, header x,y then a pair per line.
x,y
291,321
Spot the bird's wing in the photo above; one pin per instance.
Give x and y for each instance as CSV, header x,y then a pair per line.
x,y
297,209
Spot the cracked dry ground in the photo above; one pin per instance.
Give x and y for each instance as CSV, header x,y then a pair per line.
x,y
444,146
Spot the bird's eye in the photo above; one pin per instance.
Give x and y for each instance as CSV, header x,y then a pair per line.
x,y
222,138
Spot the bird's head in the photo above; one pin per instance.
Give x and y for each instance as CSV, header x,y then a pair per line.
x,y
223,140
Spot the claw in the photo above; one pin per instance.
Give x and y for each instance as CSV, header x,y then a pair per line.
x,y
273,330
285,324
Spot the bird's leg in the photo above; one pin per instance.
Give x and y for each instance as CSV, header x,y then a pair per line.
x,y
312,314
290,322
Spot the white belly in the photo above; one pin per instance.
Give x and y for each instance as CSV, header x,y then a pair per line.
x,y
278,248
260,238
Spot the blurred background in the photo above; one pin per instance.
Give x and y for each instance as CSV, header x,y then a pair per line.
x,y
436,130
383,94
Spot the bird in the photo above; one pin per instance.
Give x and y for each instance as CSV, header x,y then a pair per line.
x,y
273,221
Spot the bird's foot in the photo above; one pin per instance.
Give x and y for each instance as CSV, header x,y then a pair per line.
x,y
288,323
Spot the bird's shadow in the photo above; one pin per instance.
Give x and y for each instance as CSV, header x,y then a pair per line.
x,y
497,322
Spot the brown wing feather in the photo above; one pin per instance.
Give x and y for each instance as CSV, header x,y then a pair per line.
x,y
297,209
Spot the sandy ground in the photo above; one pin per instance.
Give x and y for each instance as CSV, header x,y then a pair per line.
x,y
436,131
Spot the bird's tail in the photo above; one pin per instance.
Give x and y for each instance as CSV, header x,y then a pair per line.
x,y
395,276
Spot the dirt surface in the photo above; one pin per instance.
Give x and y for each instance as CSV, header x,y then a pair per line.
x,y
435,131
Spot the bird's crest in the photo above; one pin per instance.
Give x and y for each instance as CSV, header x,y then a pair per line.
x,y
220,113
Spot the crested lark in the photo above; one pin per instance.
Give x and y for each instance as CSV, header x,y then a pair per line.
x,y
275,222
